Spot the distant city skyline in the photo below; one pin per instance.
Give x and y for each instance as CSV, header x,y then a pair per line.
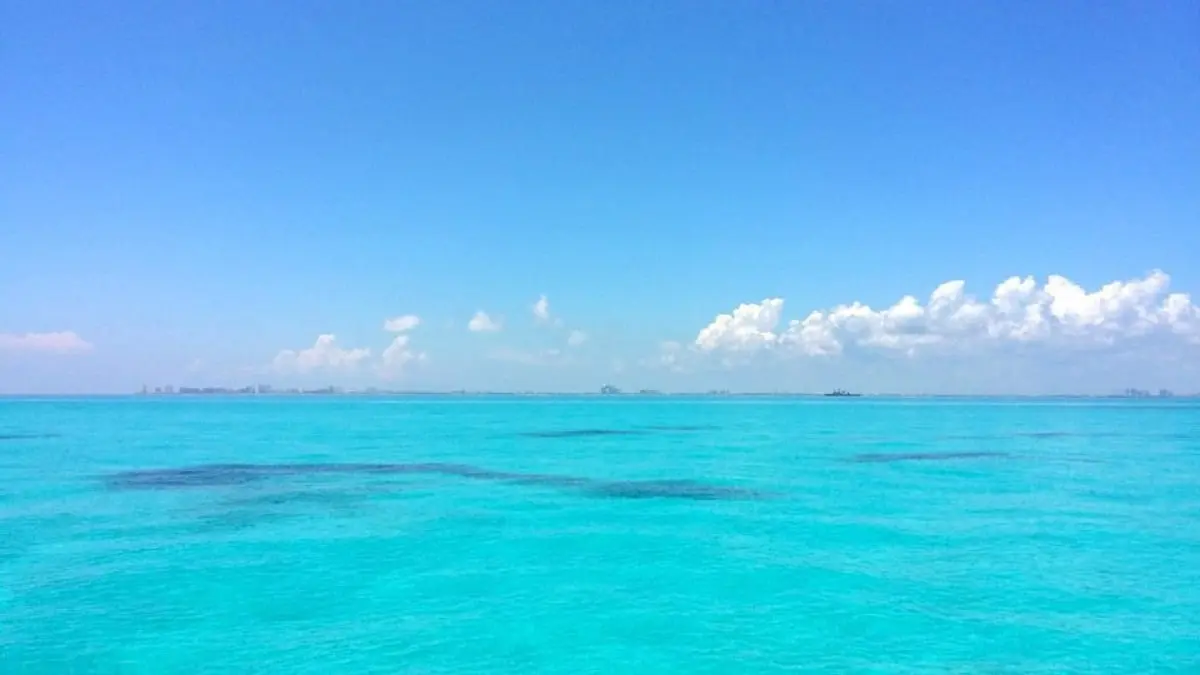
x,y
959,198
603,390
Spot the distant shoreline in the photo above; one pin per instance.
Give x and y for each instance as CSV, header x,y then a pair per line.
x,y
367,394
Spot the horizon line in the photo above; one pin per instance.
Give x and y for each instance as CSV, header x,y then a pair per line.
x,y
328,392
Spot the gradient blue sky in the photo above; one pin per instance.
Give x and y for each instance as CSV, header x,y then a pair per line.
x,y
191,187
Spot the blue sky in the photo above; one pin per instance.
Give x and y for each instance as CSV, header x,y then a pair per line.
x,y
188,190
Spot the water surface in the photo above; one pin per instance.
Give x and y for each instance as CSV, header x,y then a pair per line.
x,y
598,535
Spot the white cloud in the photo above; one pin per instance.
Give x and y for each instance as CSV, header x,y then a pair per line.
x,y
61,342
402,324
750,326
399,354
325,354
576,338
541,308
482,323
1059,313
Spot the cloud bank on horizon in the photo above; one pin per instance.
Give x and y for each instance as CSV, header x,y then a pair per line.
x,y
324,354
1058,313
327,356
1055,314
58,342
1141,314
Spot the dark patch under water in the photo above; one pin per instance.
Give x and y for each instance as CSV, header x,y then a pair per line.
x,y
581,433
1051,434
678,489
218,475
1034,434
635,431
882,457
26,437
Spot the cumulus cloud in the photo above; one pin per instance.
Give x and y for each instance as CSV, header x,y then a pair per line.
x,y
325,354
482,323
399,354
1057,313
61,342
576,338
541,312
541,308
402,324
749,327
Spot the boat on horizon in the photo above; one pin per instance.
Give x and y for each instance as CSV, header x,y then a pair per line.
x,y
841,392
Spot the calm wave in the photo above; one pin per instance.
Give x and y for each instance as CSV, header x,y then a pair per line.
x,y
616,535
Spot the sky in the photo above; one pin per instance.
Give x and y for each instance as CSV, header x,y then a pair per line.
x,y
932,196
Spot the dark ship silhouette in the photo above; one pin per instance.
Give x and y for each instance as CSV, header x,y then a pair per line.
x,y
841,392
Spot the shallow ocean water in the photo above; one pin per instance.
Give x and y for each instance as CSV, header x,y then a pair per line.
x,y
599,535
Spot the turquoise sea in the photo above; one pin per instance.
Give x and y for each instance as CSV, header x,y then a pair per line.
x,y
599,535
